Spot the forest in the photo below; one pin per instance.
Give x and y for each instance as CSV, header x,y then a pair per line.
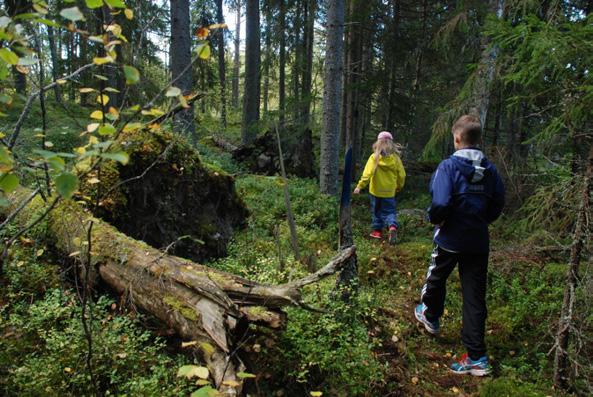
x,y
184,207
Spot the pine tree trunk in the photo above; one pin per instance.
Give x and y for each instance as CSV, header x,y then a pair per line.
x,y
565,323
14,8
71,65
251,96
332,98
308,62
282,66
268,57
392,47
180,58
498,119
354,76
84,77
365,99
420,50
237,58
486,68
55,65
297,63
221,64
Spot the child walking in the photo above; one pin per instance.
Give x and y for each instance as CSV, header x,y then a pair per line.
x,y
385,174
467,195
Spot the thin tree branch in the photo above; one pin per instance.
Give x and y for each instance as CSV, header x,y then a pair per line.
x,y
19,124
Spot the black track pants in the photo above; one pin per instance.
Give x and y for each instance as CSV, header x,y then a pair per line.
x,y
473,269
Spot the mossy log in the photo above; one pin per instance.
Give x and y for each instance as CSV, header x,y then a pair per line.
x,y
201,304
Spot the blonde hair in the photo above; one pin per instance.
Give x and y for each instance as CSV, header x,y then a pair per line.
x,y
385,147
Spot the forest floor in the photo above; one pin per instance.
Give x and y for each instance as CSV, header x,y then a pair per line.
x,y
373,347
523,298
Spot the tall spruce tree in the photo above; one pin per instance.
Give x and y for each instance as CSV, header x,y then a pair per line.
x,y
332,98
180,63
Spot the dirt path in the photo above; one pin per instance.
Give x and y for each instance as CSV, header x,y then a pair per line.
x,y
417,360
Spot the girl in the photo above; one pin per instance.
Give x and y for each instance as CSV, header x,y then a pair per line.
x,y
385,171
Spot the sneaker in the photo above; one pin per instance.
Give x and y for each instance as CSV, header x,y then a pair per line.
x,y
431,326
392,235
466,365
376,234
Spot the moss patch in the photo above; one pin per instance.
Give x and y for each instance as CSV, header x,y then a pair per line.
x,y
180,307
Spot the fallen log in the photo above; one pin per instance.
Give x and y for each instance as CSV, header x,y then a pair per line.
x,y
201,304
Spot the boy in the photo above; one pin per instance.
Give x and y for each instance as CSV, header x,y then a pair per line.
x,y
467,195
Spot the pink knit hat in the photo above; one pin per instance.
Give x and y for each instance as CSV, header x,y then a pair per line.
x,y
385,135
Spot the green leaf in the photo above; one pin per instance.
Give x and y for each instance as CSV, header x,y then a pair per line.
x,y
47,22
115,3
8,56
132,74
56,163
9,182
5,156
203,50
190,371
3,201
72,14
107,129
46,154
66,184
206,391
121,157
94,3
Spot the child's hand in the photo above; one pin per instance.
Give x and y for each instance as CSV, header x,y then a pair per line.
x,y
357,191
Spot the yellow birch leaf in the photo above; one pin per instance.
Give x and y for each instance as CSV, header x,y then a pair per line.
x,y
97,115
102,99
102,60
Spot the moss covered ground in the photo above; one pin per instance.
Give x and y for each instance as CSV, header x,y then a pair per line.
x,y
372,347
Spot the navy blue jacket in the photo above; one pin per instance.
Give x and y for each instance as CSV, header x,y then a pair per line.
x,y
467,195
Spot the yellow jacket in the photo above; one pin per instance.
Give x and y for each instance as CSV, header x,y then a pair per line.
x,y
387,180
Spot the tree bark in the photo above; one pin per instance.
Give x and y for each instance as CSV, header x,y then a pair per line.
x,y
487,66
282,66
180,57
565,323
71,64
420,50
365,101
354,86
14,8
268,56
55,62
309,39
221,64
237,59
392,47
251,96
84,77
332,98
201,304
297,64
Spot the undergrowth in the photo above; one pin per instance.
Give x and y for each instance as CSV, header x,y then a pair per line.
x,y
373,347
